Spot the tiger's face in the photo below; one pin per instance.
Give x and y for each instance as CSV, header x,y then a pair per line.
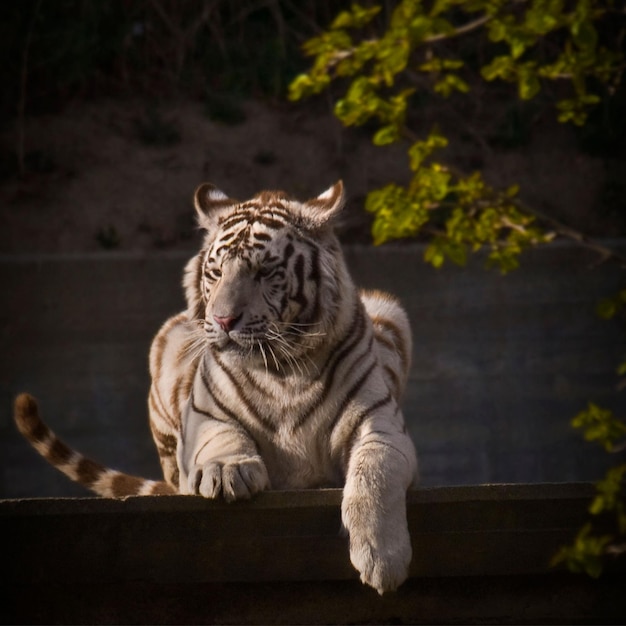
x,y
266,277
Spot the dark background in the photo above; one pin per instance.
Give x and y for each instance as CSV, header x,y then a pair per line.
x,y
112,112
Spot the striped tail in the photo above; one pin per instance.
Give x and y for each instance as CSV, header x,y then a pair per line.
x,y
99,479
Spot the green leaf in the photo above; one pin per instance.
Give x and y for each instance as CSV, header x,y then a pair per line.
x,y
434,255
357,17
457,253
343,20
518,47
421,150
304,86
386,135
585,35
528,82
500,67
546,40
497,29
419,28
450,83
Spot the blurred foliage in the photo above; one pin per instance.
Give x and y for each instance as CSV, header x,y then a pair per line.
x,y
153,48
53,51
591,547
383,57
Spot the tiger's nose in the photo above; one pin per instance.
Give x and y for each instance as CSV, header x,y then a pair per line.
x,y
226,323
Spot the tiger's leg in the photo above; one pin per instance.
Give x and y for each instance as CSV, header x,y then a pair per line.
x,y
218,457
166,444
382,466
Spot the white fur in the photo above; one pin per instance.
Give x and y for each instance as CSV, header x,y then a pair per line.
x,y
245,421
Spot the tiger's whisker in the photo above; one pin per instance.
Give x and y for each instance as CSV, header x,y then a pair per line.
x,y
269,347
263,355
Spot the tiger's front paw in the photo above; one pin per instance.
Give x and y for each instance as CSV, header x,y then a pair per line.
x,y
380,544
383,561
235,478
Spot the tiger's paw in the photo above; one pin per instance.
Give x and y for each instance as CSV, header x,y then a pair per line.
x,y
383,563
235,479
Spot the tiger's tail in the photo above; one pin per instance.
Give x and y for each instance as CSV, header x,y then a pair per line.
x,y
102,480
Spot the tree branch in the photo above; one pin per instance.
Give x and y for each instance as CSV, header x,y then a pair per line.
x,y
461,30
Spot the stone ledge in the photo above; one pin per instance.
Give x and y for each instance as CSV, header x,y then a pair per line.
x,y
485,549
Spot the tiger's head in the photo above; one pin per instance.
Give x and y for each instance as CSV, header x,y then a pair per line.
x,y
266,284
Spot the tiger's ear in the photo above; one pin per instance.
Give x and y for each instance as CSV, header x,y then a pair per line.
x,y
323,210
210,202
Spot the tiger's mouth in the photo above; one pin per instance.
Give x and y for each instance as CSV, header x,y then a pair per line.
x,y
246,343
278,347
256,351
245,339
275,354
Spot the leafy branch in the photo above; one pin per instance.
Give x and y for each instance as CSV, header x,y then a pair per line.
x,y
382,67
590,548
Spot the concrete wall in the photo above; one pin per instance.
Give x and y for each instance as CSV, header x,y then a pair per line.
x,y
501,364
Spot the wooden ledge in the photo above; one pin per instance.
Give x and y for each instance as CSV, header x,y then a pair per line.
x,y
288,545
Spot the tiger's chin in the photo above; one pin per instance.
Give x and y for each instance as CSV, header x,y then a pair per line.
x,y
258,353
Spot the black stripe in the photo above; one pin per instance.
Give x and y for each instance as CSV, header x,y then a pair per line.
x,y
267,424
276,210
253,383
278,313
357,422
88,472
198,312
352,338
271,222
361,417
159,406
395,379
58,453
352,392
315,277
235,218
126,485
165,441
298,270
237,419
197,409
315,273
347,351
398,344
34,428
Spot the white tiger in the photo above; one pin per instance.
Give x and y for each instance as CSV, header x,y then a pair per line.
x,y
279,375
